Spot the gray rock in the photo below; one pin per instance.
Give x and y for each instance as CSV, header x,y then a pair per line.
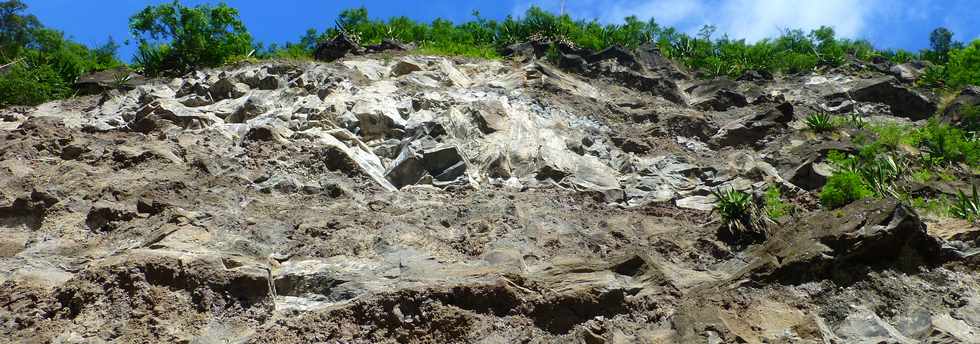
x,y
909,71
404,67
336,48
811,175
904,102
228,88
955,112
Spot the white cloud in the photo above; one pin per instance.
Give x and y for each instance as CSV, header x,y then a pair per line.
x,y
750,19
757,19
667,12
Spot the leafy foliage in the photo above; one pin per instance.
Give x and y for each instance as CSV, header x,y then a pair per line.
x,y
775,207
941,42
964,66
944,144
843,188
16,29
41,64
792,52
174,38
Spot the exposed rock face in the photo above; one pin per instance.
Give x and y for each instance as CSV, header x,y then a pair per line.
x,y
967,100
335,48
903,101
114,79
432,200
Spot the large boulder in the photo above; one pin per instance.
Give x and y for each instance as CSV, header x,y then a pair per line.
x,y
228,88
750,129
650,58
388,45
904,102
336,48
113,79
909,71
842,244
811,175
443,164
718,94
964,111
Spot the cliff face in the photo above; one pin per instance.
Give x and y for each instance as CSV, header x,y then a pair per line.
x,y
409,198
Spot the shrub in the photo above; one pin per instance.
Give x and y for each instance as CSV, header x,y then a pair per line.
x,y
970,119
964,66
843,188
175,39
944,144
29,84
41,63
774,205
819,122
733,206
793,51
852,120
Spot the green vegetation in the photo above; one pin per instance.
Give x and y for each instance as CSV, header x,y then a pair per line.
x,y
970,119
967,207
843,188
944,144
733,206
957,67
819,122
39,64
175,39
884,166
964,66
794,51
774,205
742,218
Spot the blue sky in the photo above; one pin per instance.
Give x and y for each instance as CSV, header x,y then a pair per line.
x,y
887,23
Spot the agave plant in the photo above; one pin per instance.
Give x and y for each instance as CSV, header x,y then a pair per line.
x,y
967,207
882,173
819,122
744,221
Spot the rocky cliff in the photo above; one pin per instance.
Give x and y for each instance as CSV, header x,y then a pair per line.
x,y
401,198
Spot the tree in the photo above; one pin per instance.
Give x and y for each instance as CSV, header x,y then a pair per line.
x,y
941,42
964,66
16,29
175,39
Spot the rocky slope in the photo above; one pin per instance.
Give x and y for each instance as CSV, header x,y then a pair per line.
x,y
391,198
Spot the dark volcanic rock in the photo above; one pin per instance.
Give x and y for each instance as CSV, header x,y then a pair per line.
x,y
118,78
841,244
336,48
749,130
967,100
904,102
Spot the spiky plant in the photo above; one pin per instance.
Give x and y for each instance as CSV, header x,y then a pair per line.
x,y
819,122
967,207
743,220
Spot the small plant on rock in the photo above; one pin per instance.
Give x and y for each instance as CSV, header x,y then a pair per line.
x,y
967,207
743,220
819,122
843,188
774,204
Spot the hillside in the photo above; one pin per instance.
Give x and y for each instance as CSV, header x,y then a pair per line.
x,y
428,199
391,191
